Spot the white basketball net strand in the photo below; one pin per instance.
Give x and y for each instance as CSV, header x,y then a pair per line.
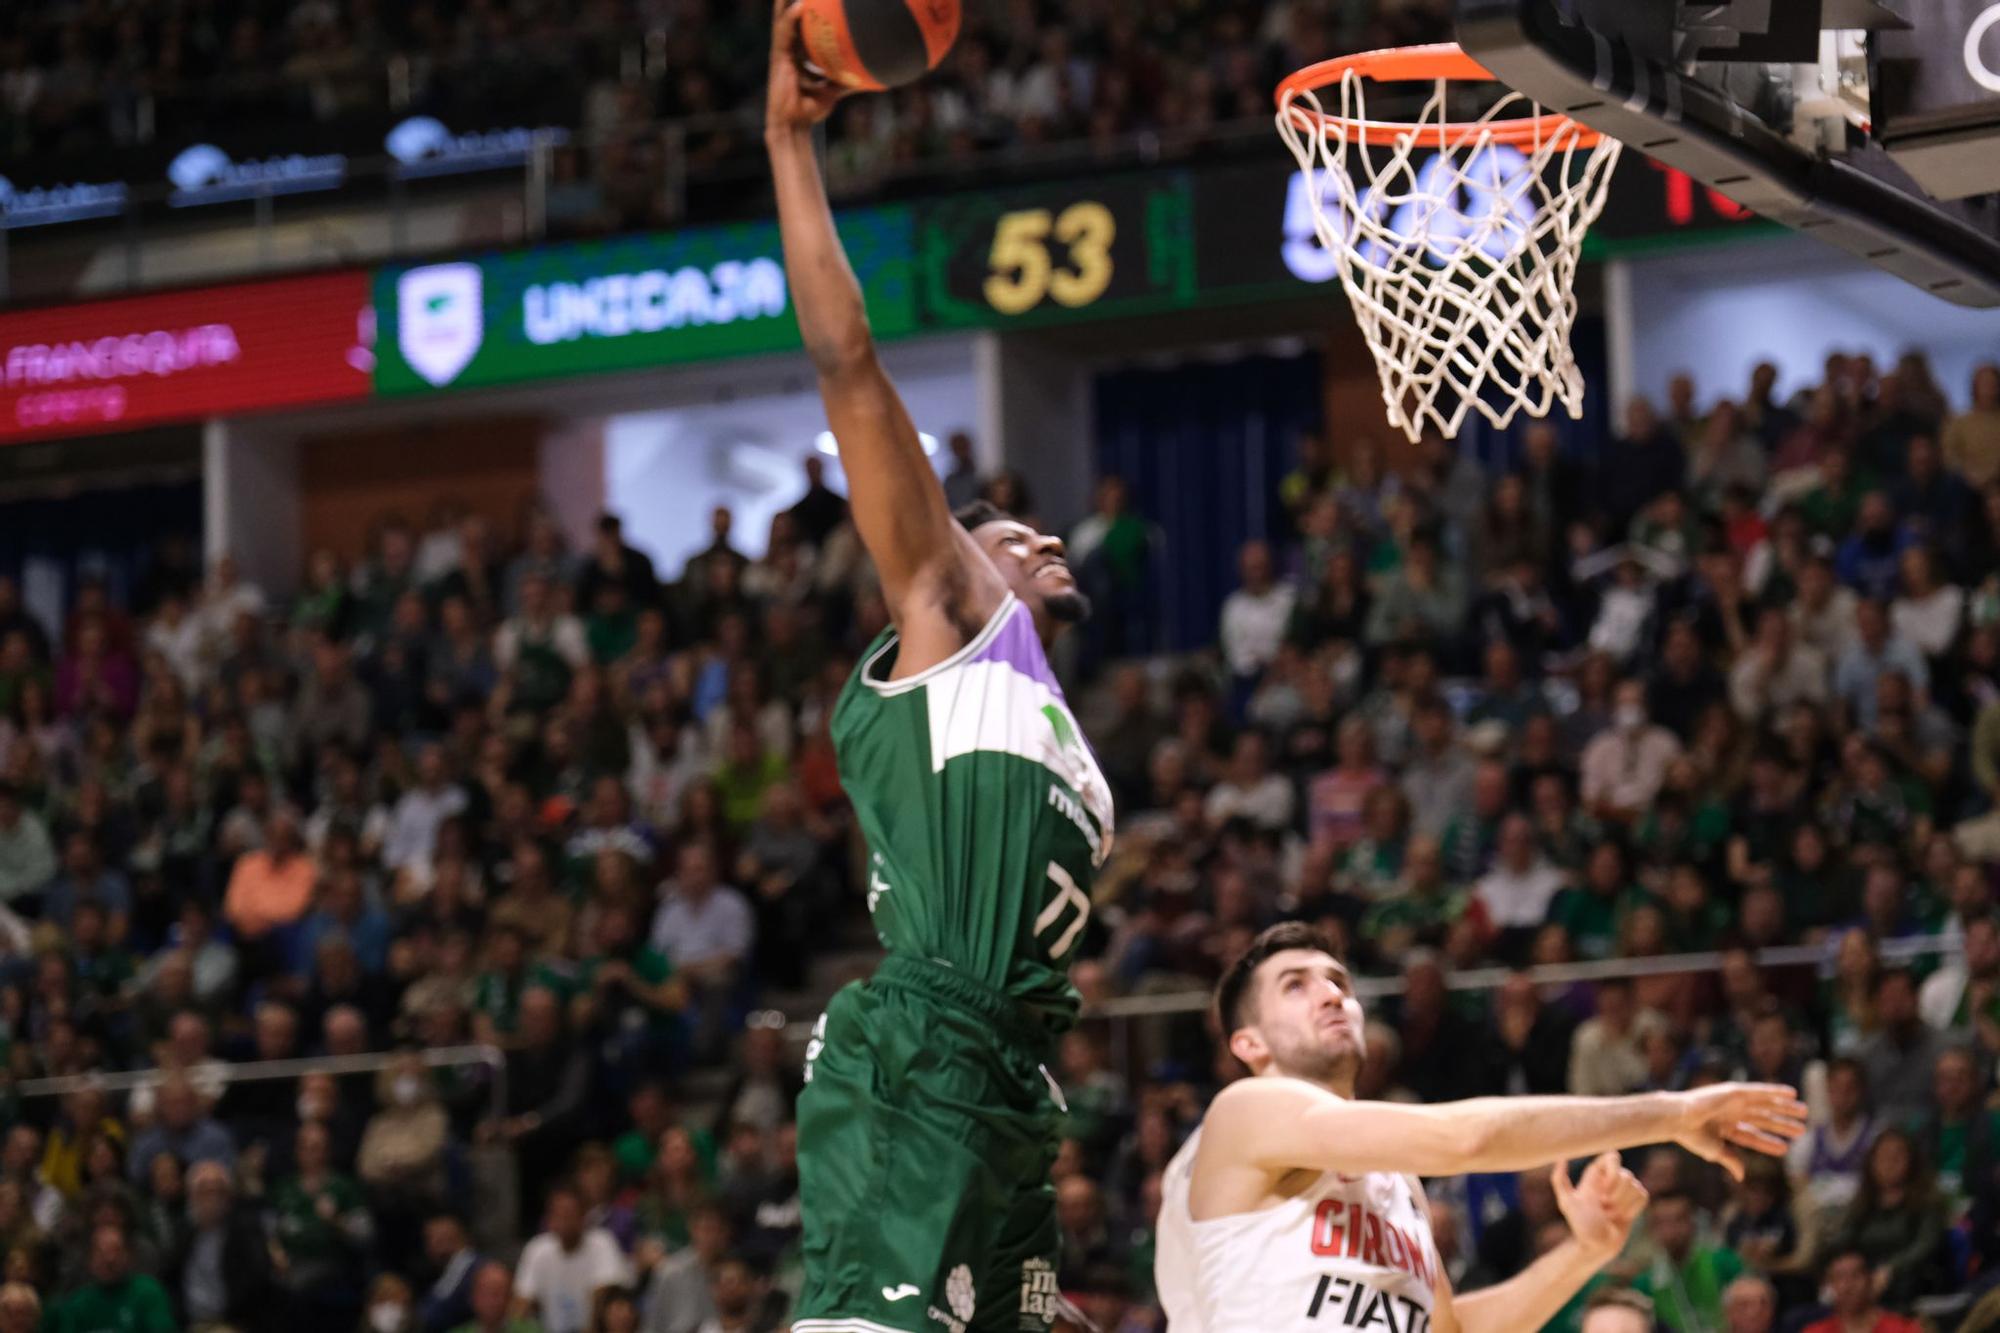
x,y
1460,262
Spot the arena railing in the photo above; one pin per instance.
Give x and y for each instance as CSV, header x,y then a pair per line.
x,y
1170,1024
255,1071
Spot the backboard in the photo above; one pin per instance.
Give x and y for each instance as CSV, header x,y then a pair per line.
x,y
1873,125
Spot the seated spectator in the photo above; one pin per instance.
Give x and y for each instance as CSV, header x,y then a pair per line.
x,y
1902,1055
1624,767
27,857
706,930
221,1265
493,1303
112,1296
323,1230
1616,1310
271,886
563,1268
1687,1278
181,1127
1896,1221
1607,1057
1750,1305
452,1268
1850,1283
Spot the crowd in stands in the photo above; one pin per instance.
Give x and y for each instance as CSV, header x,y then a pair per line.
x,y
1735,689
74,78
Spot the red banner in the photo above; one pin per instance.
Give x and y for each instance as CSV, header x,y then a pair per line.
x,y
184,356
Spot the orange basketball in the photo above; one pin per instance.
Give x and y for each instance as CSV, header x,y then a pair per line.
x,y
875,44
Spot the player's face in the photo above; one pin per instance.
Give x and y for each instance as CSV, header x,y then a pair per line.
x,y
1034,566
1309,1023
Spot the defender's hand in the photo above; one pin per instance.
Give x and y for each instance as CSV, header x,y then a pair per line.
x,y
1762,1117
1602,1207
797,100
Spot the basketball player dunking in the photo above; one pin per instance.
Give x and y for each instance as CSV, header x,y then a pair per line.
x,y
1295,1207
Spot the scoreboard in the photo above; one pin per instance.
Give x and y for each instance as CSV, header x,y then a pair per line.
x,y
1097,248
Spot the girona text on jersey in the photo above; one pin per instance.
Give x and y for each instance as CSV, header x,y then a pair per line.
x,y
1352,1230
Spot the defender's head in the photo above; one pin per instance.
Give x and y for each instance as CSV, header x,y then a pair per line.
x,y
1288,1008
1032,562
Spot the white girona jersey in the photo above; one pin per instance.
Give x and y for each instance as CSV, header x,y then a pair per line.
x,y
1348,1252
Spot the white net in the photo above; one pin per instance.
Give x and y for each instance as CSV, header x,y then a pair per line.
x,y
1457,248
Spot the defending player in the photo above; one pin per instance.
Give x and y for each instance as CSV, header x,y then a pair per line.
x,y
1296,1207
927,1126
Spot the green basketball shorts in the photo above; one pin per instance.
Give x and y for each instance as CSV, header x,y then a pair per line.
x,y
927,1130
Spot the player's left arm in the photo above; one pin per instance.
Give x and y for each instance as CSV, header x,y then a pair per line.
x,y
1600,1210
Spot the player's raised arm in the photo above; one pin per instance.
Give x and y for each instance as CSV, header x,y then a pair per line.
x,y
928,564
1273,1125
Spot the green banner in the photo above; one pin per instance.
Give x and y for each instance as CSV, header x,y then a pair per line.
x,y
620,304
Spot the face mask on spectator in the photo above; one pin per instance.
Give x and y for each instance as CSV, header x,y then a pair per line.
x,y
406,1089
1630,717
310,1109
387,1318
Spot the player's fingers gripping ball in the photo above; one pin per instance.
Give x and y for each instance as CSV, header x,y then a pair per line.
x,y
869,45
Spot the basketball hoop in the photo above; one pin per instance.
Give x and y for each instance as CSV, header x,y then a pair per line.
x,y
1457,241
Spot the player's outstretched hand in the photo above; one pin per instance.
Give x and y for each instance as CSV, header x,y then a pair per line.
x,y
1602,1207
1717,1121
797,98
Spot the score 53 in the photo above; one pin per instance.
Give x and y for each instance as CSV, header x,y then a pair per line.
x,y
1023,269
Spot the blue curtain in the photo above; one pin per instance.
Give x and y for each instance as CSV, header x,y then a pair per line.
x,y
48,543
1203,447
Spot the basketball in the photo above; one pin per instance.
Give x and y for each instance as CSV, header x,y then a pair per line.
x,y
869,45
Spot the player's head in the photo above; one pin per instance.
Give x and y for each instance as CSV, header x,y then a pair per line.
x,y
1288,1007
1032,562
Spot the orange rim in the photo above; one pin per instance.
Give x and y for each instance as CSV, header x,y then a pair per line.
x,y
1444,61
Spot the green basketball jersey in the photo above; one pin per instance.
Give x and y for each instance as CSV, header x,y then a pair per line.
x,y
985,810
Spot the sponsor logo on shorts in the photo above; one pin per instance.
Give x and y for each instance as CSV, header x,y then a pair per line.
x,y
894,1294
1349,1303
1039,1295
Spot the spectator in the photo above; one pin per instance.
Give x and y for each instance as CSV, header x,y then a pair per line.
x,y
1624,767
221,1264
1687,1279
564,1267
113,1296
493,1304
1617,1310
1750,1305
271,886
447,1303
679,1286
27,857
1520,888
1895,1221
706,930
323,1230
1778,671
1254,618
614,561
182,1128
1849,1282
1607,1058
1901,1055
414,821
1972,440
